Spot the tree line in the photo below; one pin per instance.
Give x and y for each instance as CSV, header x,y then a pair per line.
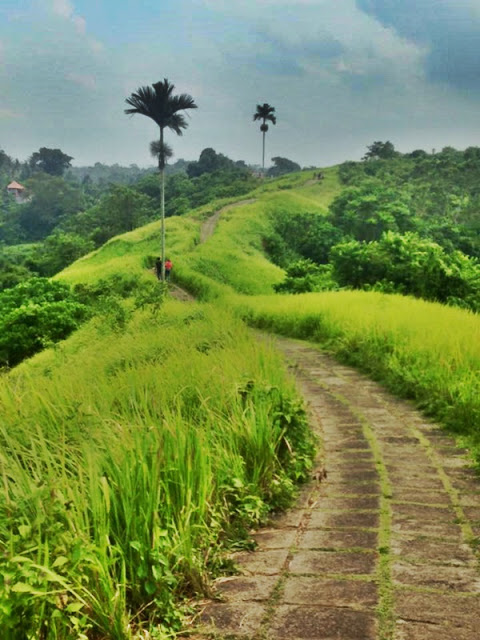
x,y
404,223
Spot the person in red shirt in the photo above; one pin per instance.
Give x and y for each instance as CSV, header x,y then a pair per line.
x,y
168,268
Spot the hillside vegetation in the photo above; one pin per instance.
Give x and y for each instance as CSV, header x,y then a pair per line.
x,y
140,449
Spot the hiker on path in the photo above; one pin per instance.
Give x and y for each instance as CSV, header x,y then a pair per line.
x,y
158,268
168,268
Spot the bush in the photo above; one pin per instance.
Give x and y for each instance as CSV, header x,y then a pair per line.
x,y
35,314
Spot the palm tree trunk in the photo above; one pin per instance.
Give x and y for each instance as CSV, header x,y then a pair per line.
x,y
263,154
161,161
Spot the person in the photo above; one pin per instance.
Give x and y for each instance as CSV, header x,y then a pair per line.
x,y
168,268
158,268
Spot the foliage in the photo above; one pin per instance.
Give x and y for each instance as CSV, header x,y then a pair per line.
x,y
282,166
300,234
306,275
210,162
33,315
51,161
58,251
420,350
156,471
120,209
53,200
369,209
410,265
380,150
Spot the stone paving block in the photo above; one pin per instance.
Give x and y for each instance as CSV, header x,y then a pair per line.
x,y
246,588
472,513
332,562
350,519
469,500
424,513
351,503
275,538
447,578
356,594
235,619
291,518
309,623
338,539
352,475
438,530
454,610
358,488
411,493
418,631
432,550
431,482
355,456
261,562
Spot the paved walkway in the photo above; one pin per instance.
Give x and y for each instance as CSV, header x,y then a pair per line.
x,y
382,548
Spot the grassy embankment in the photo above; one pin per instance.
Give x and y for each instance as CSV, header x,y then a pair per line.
x,y
135,453
121,465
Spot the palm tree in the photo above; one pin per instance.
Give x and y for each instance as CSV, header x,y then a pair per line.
x,y
264,112
158,103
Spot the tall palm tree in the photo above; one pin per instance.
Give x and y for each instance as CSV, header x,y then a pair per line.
x,y
158,103
264,112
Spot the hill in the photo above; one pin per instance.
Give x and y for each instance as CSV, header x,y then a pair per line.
x,y
140,449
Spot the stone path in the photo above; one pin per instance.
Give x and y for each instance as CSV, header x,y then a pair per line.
x,y
382,548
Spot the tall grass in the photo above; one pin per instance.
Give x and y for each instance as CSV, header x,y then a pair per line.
x,y
421,350
126,471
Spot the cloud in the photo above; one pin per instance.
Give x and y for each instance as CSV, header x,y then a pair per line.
x,y
450,31
7,114
87,81
80,24
62,8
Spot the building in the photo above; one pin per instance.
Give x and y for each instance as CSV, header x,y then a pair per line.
x,y
17,191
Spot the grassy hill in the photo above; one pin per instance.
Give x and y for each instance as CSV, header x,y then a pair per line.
x,y
141,448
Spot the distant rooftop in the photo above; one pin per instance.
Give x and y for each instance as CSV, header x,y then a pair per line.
x,y
15,185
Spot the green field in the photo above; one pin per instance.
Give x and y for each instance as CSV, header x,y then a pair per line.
x,y
138,451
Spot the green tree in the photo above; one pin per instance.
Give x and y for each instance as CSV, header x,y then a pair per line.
x,y
380,151
52,161
59,250
371,208
160,105
264,112
282,166
52,201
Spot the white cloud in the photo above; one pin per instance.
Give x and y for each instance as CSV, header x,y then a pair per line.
x,y
62,8
82,79
80,24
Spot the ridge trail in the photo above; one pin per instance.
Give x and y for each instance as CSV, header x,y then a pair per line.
x,y
382,548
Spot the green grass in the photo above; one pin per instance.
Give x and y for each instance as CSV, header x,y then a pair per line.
x,y
126,472
420,350
135,452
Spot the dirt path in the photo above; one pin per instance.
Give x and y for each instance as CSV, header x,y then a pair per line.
x,y
382,548
209,225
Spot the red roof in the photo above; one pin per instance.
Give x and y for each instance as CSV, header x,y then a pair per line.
x,y
15,185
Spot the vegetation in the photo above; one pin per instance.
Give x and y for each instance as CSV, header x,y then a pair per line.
x,y
159,104
126,476
264,112
156,469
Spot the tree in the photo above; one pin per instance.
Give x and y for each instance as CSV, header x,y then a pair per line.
x,y
209,162
282,166
264,112
380,151
53,200
160,105
52,161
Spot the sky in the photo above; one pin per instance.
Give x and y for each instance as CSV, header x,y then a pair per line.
x,y
340,74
